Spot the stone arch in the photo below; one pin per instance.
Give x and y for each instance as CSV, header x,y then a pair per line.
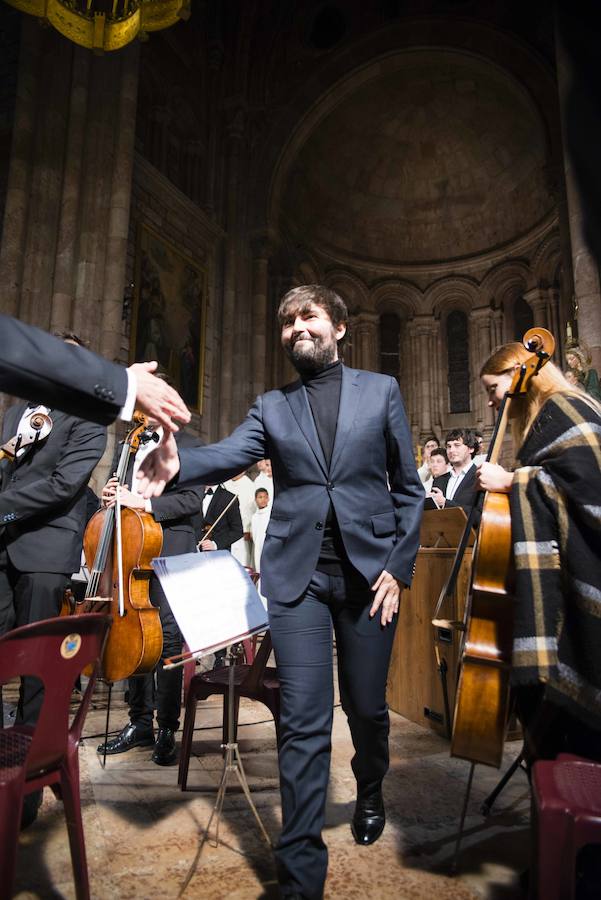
x,y
398,296
351,288
501,283
546,260
447,294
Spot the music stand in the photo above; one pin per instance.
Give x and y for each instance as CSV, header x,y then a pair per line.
x,y
443,528
189,582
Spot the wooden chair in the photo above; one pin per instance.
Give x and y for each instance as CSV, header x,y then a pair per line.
x,y
256,681
55,651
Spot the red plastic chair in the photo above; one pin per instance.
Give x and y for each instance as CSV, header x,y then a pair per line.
x,y
55,651
566,816
257,682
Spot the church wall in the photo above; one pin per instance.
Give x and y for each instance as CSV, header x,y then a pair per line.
x,y
158,204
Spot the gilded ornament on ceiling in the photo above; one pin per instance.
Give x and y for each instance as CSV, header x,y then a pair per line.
x,y
104,25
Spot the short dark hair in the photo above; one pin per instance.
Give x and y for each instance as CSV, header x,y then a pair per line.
x,y
299,300
431,438
440,451
462,434
71,336
261,491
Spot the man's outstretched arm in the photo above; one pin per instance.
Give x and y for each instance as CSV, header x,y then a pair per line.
x,y
37,366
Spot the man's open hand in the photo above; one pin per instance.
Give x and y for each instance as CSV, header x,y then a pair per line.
x,y
158,468
157,399
388,596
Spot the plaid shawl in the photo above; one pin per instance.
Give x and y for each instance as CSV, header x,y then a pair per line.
x,y
556,519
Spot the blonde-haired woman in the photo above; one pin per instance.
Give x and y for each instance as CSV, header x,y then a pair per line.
x,y
555,498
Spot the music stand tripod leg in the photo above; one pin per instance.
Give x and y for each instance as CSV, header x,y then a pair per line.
x,y
231,763
487,804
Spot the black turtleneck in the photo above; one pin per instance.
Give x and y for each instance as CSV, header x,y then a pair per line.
x,y
323,390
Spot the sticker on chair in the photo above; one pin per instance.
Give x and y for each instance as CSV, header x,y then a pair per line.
x,y
70,646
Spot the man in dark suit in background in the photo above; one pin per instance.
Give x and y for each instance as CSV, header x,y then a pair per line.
x,y
229,528
439,466
218,502
460,488
340,545
159,690
42,520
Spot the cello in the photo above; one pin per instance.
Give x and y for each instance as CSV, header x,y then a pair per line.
x,y
482,697
122,542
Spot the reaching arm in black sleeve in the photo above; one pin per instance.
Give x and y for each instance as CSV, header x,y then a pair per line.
x,y
61,375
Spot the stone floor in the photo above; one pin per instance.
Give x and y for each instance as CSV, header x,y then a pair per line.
x,y
143,835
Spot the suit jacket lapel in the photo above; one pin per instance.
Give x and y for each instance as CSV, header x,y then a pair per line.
x,y
347,411
296,396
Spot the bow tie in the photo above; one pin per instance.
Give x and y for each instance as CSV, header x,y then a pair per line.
x,y
209,491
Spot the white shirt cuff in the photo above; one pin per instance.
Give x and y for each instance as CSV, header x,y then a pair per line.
x,y
148,505
127,410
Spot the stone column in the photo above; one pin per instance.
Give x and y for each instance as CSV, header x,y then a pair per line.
x,y
62,298
481,344
412,367
545,306
426,358
537,299
235,132
12,249
366,341
556,326
119,203
587,286
262,249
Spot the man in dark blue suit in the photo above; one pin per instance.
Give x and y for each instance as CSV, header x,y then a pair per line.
x,y
340,546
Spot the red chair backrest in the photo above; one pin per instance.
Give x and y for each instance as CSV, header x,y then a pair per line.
x,y
257,669
55,651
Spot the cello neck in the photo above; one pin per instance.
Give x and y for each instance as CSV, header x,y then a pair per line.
x,y
106,535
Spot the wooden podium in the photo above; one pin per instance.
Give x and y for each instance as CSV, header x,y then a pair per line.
x,y
414,685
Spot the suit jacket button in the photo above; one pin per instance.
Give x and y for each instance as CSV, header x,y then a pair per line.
x,y
97,390
330,485
318,526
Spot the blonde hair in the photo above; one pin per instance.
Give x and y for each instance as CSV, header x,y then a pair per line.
x,y
550,380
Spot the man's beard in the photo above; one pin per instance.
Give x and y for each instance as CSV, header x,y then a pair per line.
x,y
312,357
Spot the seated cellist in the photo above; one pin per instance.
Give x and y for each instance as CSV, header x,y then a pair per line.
x,y
160,690
555,500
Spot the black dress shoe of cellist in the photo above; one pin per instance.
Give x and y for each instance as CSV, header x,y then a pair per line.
x,y
129,737
164,750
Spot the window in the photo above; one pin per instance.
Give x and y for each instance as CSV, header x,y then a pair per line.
x,y
459,362
390,336
523,318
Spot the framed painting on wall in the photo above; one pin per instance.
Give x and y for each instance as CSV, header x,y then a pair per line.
x,y
169,314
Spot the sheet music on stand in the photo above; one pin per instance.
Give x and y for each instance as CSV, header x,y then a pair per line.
x,y
212,598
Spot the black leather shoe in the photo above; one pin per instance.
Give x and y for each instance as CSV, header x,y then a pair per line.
x,y
164,748
130,736
369,819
